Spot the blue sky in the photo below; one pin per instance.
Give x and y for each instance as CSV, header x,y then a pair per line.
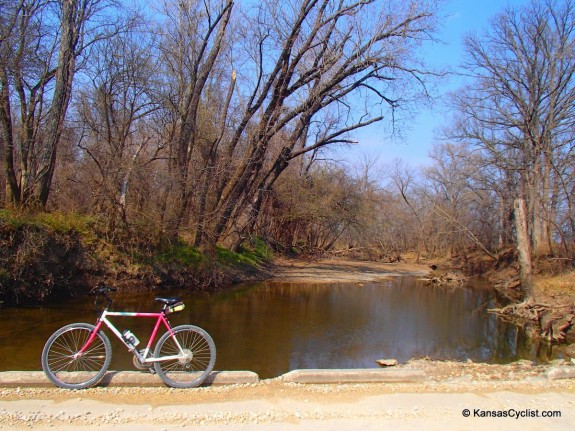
x,y
414,144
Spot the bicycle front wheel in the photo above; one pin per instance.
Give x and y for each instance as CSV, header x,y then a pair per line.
x,y
64,368
190,356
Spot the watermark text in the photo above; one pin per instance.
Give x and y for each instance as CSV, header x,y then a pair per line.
x,y
510,413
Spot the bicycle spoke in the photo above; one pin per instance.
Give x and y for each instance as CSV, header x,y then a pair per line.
x,y
67,370
195,352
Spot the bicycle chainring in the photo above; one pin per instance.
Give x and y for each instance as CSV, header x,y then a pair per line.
x,y
139,365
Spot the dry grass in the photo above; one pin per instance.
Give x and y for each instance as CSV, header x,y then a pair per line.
x,y
560,288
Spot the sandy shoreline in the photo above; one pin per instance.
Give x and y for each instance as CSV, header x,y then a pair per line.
x,y
343,271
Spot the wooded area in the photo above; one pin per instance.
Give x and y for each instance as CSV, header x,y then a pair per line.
x,y
211,121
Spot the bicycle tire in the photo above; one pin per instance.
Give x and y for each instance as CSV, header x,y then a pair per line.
x,y
67,372
193,370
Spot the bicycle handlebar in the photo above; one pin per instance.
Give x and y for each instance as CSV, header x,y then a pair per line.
x,y
102,290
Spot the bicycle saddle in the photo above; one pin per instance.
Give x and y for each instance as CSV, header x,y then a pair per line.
x,y
168,301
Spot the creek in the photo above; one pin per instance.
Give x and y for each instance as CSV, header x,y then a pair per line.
x,y
275,327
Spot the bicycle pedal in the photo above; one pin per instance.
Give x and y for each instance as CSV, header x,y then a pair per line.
x,y
152,370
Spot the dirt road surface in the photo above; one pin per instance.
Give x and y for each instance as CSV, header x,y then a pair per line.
x,y
460,403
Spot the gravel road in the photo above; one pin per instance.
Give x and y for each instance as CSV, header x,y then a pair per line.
x,y
485,393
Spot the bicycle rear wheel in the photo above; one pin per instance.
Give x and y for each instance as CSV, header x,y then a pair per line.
x,y
70,372
195,361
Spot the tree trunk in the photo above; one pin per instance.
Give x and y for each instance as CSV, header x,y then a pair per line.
x,y
12,187
73,16
524,250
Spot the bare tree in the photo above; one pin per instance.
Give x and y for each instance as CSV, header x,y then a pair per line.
x,y
312,213
113,110
519,107
39,51
306,62
456,196
191,40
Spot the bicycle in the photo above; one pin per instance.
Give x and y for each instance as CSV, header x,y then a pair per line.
x,y
78,355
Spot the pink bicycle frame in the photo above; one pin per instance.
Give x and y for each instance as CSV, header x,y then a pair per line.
x,y
161,318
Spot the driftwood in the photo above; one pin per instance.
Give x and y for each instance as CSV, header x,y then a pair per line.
x,y
545,321
446,279
521,312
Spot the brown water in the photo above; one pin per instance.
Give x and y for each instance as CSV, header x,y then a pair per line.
x,y
271,328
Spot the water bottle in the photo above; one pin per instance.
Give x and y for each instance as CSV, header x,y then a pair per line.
x,y
130,338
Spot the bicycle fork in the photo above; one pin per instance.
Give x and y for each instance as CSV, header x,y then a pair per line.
x,y
87,344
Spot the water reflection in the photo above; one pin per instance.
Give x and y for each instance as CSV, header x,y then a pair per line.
x,y
272,328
